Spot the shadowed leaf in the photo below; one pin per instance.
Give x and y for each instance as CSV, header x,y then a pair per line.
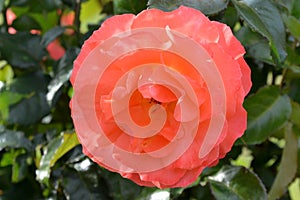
x,y
265,18
22,49
268,111
237,183
207,6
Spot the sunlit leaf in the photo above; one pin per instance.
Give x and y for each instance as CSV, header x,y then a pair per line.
x,y
53,151
294,189
6,74
244,159
90,13
7,158
237,183
69,141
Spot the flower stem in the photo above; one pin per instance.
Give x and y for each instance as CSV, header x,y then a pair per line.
x,y
77,19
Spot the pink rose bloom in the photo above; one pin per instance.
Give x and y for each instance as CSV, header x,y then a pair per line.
x,y
67,19
158,96
56,51
10,17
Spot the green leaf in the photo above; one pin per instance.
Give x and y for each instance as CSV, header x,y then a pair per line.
x,y
45,19
268,111
19,2
30,83
293,24
222,192
19,168
198,192
63,73
292,58
208,7
296,9
294,89
1,5
25,23
90,14
294,189
265,18
244,159
86,184
261,51
230,17
22,49
69,141
257,46
8,98
129,6
288,164
13,139
285,5
295,116
6,73
43,6
35,106
248,37
32,87
7,159
58,147
237,183
120,187
52,34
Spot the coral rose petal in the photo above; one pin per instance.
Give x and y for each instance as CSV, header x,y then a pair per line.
x,y
246,77
110,27
159,96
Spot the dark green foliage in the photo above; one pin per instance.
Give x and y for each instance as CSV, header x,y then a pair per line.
x,y
40,156
207,7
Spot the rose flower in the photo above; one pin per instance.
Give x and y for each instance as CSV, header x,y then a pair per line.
x,y
158,96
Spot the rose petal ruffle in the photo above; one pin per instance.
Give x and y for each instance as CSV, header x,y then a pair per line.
x,y
159,96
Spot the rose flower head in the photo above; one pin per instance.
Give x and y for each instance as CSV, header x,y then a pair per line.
x,y
158,96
